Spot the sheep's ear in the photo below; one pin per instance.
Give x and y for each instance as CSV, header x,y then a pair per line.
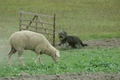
x,y
57,54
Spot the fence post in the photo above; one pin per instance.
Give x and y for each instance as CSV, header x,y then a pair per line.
x,y
36,22
20,21
54,30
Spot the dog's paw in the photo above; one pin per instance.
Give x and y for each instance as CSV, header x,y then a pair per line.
x,y
59,44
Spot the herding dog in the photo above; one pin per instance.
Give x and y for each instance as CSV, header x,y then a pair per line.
x,y
72,41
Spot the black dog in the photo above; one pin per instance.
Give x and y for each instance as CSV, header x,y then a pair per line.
x,y
72,41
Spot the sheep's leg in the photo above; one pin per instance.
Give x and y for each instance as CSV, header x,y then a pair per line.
x,y
38,57
12,51
38,52
20,58
40,61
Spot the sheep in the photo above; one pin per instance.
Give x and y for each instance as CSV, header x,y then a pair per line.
x,y
28,40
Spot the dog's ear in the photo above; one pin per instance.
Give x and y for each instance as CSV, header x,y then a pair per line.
x,y
62,32
59,32
65,32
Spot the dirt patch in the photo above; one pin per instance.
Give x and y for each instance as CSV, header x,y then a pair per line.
x,y
103,43
67,76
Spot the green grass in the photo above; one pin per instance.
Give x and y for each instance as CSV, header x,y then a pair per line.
x,y
85,19
74,60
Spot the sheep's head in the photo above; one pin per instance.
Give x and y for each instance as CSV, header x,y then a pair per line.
x,y
56,56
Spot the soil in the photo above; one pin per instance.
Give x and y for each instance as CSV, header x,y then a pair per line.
x,y
103,43
67,76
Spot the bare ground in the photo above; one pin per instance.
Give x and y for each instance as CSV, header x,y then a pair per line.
x,y
67,76
103,43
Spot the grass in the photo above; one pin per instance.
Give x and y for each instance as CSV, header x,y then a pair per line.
x,y
81,18
86,19
75,60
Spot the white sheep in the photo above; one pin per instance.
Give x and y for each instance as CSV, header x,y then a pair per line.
x,y
28,40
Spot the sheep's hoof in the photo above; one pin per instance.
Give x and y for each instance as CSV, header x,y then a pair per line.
x,y
42,64
10,65
35,62
24,65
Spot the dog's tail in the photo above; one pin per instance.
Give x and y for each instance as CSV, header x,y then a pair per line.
x,y
83,44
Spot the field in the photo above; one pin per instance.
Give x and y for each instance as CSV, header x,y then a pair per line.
x,y
98,61
97,23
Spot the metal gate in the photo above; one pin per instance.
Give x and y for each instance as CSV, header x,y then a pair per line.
x,y
33,22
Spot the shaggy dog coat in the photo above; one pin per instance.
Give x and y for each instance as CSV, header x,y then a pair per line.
x,y
72,41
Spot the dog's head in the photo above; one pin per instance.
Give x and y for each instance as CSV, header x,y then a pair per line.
x,y
62,35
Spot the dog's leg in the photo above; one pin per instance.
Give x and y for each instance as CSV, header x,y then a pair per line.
x,y
60,44
77,45
66,44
